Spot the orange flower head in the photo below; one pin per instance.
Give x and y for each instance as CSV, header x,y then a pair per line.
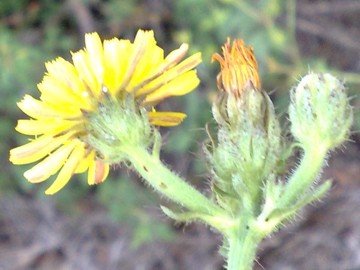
x,y
238,68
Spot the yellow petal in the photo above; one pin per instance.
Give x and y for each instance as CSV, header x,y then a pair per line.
x,y
64,71
98,171
166,119
50,165
116,58
42,126
94,49
37,149
82,64
141,43
38,109
58,94
177,87
67,170
170,74
85,163
148,65
155,76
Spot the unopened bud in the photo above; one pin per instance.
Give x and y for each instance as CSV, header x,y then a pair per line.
x,y
249,145
320,112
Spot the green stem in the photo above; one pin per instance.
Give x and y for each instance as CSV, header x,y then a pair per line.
x,y
169,184
305,175
242,248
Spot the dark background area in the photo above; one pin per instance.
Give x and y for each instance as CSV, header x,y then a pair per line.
x,y
119,225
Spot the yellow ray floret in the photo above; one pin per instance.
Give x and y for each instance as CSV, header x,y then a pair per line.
x,y
70,91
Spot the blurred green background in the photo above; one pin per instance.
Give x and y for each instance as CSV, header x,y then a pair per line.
x,y
289,39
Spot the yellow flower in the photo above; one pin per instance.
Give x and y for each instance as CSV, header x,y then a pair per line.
x,y
118,68
238,68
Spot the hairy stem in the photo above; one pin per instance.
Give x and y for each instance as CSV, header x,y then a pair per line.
x,y
169,184
305,175
243,242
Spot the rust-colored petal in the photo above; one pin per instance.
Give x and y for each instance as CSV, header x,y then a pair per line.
x,y
238,67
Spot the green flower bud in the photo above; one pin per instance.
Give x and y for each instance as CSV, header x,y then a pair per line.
x,y
248,148
320,112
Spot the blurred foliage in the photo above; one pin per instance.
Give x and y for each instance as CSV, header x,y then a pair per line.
x,y
127,203
18,72
21,66
35,31
268,25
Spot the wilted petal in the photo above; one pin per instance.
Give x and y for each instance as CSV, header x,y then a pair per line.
x,y
238,67
175,56
98,172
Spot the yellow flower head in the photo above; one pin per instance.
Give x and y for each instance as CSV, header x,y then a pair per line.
x,y
238,68
70,91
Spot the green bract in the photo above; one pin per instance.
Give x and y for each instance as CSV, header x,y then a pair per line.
x,y
246,151
117,126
